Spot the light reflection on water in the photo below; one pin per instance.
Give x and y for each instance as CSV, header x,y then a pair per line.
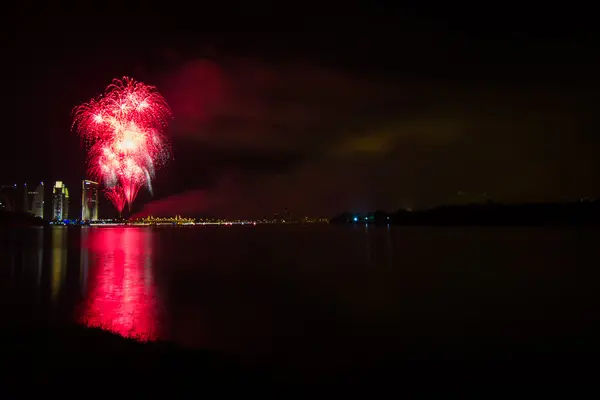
x,y
302,290
121,295
59,261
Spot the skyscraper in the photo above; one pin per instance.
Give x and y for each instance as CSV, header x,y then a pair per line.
x,y
35,201
60,202
89,200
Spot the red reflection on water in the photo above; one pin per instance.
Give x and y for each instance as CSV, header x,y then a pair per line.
x,y
121,295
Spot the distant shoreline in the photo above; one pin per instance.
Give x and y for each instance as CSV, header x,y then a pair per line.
x,y
488,214
575,214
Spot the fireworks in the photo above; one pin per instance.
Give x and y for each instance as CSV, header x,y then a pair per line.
x,y
123,132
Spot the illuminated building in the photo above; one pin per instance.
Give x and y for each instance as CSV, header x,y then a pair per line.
x,y
89,201
35,201
60,201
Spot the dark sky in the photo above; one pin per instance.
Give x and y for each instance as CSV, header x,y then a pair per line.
x,y
356,110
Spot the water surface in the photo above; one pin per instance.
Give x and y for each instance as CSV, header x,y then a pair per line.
x,y
307,292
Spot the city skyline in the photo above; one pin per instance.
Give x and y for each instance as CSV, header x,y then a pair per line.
x,y
30,198
27,199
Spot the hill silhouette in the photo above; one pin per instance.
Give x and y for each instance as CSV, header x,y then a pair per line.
x,y
494,214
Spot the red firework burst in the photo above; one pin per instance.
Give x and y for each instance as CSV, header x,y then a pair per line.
x,y
123,132
117,197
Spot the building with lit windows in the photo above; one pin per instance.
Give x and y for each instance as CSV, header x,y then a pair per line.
x,y
89,200
60,202
35,200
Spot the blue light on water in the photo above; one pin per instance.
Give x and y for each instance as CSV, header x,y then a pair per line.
x,y
355,219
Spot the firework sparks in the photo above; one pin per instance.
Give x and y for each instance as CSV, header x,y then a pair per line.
x,y
117,197
123,132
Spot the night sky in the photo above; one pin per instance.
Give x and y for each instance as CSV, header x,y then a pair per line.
x,y
369,108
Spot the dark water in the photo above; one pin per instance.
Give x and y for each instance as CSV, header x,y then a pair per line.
x,y
308,293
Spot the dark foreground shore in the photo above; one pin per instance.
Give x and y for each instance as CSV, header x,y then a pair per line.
x,y
69,359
